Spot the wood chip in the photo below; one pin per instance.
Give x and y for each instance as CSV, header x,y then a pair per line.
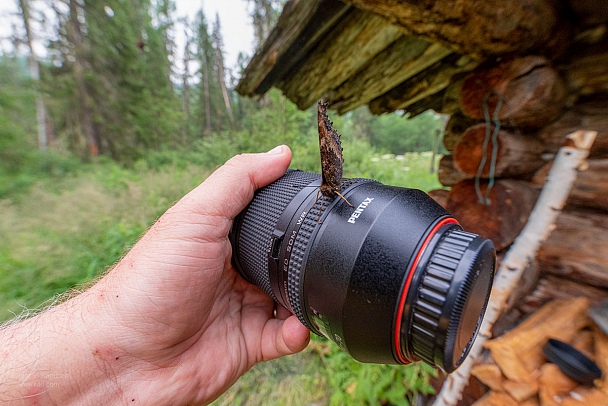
x,y
520,391
519,352
490,375
496,399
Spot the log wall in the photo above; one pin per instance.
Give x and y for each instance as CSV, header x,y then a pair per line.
x,y
520,110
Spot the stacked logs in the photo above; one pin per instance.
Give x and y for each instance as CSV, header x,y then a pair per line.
x,y
526,108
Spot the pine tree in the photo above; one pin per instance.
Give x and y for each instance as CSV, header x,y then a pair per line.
x,y
265,14
204,55
34,68
218,44
114,55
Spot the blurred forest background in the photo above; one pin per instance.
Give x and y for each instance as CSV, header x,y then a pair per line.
x,y
116,120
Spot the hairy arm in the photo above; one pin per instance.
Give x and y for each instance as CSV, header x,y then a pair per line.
x,y
172,323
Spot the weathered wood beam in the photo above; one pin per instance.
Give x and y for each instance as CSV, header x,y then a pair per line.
x,y
590,189
456,126
522,92
576,248
302,24
405,58
430,102
426,83
358,37
588,75
479,28
551,287
589,116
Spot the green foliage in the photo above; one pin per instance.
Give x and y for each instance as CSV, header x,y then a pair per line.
x,y
17,118
357,383
399,134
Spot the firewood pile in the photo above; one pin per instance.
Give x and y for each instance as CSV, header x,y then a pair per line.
x,y
518,373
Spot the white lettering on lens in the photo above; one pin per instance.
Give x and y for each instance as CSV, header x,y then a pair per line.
x,y
292,239
359,210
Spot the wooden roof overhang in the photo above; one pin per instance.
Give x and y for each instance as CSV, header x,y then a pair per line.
x,y
390,55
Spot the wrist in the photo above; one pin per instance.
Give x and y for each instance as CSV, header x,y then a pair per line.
x,y
56,358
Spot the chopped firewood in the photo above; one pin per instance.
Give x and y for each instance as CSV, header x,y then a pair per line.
x,y
584,396
519,352
554,385
530,402
601,357
520,391
490,375
583,342
496,399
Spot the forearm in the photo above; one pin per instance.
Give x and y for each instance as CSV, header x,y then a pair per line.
x,y
54,358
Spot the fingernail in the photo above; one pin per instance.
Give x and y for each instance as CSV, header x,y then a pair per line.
x,y
276,150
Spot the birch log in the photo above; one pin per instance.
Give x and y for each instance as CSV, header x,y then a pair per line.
x,y
552,199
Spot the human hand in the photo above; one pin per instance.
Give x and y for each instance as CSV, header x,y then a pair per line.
x,y
173,323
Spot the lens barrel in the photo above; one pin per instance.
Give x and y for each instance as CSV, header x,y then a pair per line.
x,y
393,279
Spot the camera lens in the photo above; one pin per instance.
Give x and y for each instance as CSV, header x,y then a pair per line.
x,y
393,279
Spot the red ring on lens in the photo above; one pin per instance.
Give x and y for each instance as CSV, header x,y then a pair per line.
x,y
410,273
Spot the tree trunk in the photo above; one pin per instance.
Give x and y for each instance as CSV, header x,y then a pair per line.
x,y
457,124
75,37
447,174
476,27
219,63
551,287
522,92
34,68
590,188
588,116
206,96
186,80
512,202
440,196
577,248
517,155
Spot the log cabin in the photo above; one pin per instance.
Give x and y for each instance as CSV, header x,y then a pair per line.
x,y
524,72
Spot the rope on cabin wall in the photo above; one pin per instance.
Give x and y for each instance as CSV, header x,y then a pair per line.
x,y
493,135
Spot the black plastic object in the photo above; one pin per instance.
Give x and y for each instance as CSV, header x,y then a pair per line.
x,y
572,362
393,279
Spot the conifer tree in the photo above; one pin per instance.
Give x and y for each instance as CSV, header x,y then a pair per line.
x,y
34,68
218,44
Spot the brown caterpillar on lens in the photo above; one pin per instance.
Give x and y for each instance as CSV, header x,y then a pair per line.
x,y
331,158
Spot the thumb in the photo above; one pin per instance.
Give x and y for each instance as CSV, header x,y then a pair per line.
x,y
230,188
283,337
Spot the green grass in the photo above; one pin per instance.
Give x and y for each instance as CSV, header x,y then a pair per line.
x,y
68,222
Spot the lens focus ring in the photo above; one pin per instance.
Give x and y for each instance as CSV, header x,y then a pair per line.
x,y
258,222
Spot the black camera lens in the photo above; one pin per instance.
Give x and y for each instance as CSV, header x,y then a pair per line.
x,y
392,280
